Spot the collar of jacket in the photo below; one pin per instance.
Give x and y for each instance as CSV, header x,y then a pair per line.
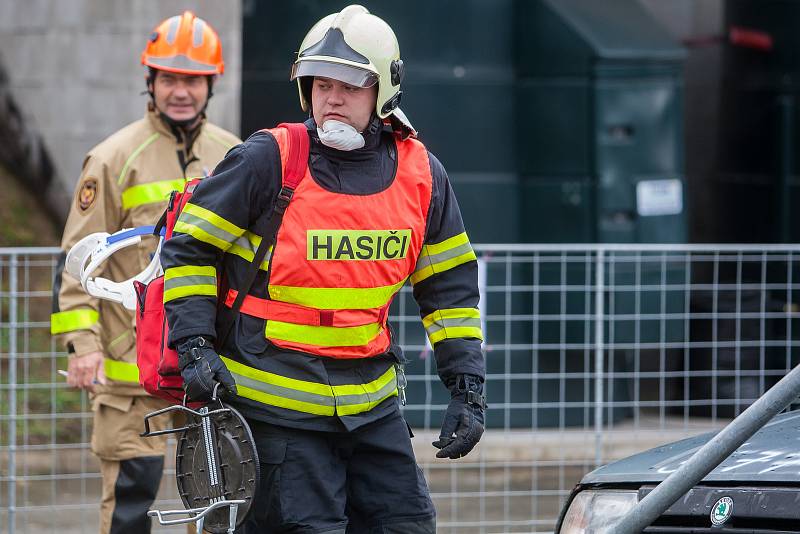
x,y
365,171
158,124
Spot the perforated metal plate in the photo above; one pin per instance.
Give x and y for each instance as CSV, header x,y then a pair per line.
x,y
237,473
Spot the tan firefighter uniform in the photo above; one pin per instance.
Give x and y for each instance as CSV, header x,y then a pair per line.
x,y
125,183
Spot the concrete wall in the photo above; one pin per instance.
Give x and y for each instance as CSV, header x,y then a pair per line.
x,y
74,67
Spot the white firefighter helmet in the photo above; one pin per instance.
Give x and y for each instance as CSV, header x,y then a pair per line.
x,y
355,47
88,254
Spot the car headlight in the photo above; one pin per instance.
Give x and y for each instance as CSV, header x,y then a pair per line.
x,y
596,511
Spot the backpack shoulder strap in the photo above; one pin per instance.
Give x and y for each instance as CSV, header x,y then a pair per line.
x,y
296,165
297,159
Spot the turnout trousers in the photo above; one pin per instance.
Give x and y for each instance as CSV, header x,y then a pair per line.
x,y
131,466
366,481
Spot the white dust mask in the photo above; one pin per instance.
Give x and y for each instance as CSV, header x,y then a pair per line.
x,y
339,135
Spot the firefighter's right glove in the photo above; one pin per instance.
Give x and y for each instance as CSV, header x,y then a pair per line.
x,y
462,426
202,369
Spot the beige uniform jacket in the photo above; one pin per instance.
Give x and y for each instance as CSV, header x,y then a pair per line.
x,y
125,183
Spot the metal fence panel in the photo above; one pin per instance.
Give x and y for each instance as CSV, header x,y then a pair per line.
x,y
593,352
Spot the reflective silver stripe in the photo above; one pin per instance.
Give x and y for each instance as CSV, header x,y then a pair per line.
x,y
310,397
385,391
194,280
286,393
183,62
454,322
197,32
243,242
446,255
207,227
172,32
246,246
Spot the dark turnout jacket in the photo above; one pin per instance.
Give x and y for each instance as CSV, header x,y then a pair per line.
x,y
297,389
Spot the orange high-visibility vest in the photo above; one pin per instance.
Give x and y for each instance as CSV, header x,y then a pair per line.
x,y
339,260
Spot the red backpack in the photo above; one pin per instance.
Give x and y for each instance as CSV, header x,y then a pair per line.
x,y
159,374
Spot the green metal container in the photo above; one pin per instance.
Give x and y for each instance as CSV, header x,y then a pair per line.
x,y
600,160
599,106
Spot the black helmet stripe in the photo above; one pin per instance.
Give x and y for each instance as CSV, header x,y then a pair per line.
x,y
334,45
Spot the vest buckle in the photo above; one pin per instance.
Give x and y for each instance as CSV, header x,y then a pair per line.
x,y
284,197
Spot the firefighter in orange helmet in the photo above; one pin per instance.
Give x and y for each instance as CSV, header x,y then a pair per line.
x,y
125,182
188,49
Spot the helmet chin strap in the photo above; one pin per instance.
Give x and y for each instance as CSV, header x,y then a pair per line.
x,y
184,124
374,125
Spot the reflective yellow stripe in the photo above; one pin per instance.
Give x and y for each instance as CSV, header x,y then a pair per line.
x,y
68,321
213,219
190,270
245,247
336,298
311,397
453,323
190,280
456,332
208,227
205,290
134,154
429,270
201,235
370,387
281,391
440,257
283,402
352,409
444,246
348,396
218,139
271,378
141,194
450,313
323,336
120,371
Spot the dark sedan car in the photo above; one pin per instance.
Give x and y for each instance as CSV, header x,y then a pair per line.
x,y
755,490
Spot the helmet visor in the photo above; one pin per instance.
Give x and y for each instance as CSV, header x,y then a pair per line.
x,y
335,71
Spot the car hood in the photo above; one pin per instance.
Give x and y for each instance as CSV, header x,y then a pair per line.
x,y
771,455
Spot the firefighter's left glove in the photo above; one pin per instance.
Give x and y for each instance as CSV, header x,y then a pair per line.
x,y
462,426
202,369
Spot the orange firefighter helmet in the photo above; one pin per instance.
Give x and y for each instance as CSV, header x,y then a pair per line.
x,y
185,44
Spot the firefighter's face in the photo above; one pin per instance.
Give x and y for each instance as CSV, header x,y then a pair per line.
x,y
180,96
335,100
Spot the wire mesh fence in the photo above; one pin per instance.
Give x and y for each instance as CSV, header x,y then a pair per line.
x,y
593,352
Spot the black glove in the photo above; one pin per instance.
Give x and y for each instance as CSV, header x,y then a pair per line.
x,y
462,426
202,369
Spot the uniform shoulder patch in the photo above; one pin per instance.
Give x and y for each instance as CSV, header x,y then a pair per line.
x,y
87,193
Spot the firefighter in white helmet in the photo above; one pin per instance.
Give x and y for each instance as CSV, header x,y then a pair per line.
x,y
312,362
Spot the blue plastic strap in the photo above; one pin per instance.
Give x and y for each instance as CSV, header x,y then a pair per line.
x,y
119,236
